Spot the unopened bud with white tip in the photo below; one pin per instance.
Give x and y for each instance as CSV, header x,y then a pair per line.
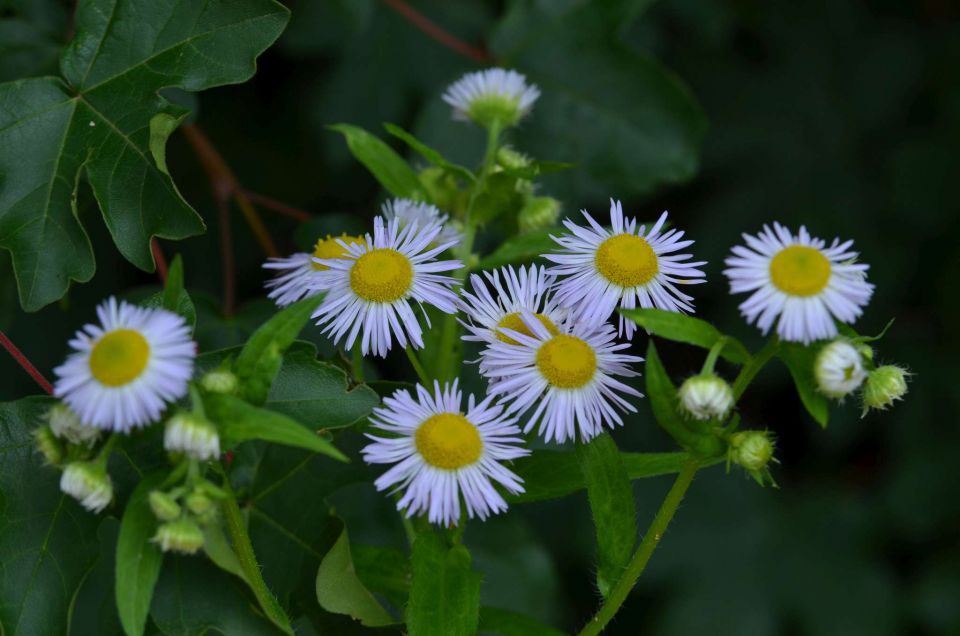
x,y
88,483
191,435
182,535
838,369
66,424
706,396
164,507
49,446
220,381
885,385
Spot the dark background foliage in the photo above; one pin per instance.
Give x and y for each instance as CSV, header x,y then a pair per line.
x,y
844,116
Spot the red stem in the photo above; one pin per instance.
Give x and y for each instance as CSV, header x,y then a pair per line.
x,y
278,206
226,250
26,364
160,259
437,32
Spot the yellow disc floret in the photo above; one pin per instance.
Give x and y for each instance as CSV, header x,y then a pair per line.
x,y
448,441
329,248
627,260
515,322
119,357
381,275
567,362
799,270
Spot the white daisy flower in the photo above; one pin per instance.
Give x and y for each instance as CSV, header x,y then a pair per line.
x,y
125,371
409,211
371,287
487,313
838,369
799,280
492,95
569,377
297,270
439,453
624,266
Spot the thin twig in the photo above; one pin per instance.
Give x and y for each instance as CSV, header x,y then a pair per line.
x,y
160,260
226,252
438,33
25,363
278,206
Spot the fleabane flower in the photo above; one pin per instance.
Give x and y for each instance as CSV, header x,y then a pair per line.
x,y
370,289
838,369
492,95
798,282
125,371
705,396
568,378
297,270
628,266
423,214
442,455
513,291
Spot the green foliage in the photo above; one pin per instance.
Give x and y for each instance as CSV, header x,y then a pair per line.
x,y
800,360
429,153
682,328
445,596
519,249
174,297
138,560
382,161
96,119
508,623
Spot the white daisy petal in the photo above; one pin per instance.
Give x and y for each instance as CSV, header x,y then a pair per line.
x,y
493,94
297,271
421,214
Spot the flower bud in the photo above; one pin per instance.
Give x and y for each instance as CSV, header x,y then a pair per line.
x,y
705,397
191,435
88,483
164,507
66,424
507,157
48,445
219,381
182,535
838,369
885,385
539,212
201,505
751,449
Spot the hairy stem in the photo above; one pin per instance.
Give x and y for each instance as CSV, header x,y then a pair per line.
x,y
642,556
715,350
752,368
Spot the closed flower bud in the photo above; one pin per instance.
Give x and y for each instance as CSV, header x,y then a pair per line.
x,y
538,213
219,381
164,507
202,505
507,157
66,424
88,483
182,535
751,449
191,435
48,445
885,385
705,397
838,369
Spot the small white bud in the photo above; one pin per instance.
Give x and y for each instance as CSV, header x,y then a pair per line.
x,y
191,435
66,424
182,535
220,381
705,397
838,369
885,385
88,483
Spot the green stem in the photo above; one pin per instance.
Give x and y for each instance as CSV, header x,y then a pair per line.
x,y
642,556
248,561
107,448
752,368
711,360
415,362
357,362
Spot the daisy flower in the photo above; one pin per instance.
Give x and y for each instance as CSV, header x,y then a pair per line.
x,y
296,271
798,282
409,211
442,455
370,288
624,266
492,95
569,377
125,371
487,313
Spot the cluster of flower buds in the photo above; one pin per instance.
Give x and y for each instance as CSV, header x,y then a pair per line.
x,y
845,366
182,513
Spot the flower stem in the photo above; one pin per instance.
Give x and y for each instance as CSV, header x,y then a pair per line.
x,y
357,362
248,561
642,556
421,373
752,368
715,350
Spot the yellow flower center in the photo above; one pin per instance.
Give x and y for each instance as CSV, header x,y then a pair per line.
x,y
329,248
381,276
515,322
567,362
448,441
800,271
119,357
627,260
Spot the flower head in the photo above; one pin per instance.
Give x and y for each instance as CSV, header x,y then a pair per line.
x,y
626,266
49,445
492,95
88,483
370,289
124,371
181,535
66,425
407,211
442,455
798,282
298,270
884,386
192,435
705,397
838,369
568,377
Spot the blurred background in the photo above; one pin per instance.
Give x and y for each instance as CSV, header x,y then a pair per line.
x,y
843,116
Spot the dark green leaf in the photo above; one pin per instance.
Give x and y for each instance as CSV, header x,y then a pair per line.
x,y
536,168
683,328
184,306
800,360
260,359
445,595
97,119
522,248
383,570
341,592
389,168
138,560
851,333
174,297
611,502
507,623
429,153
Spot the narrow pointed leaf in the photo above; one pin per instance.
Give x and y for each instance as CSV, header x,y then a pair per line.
x,y
387,167
682,328
138,560
800,360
